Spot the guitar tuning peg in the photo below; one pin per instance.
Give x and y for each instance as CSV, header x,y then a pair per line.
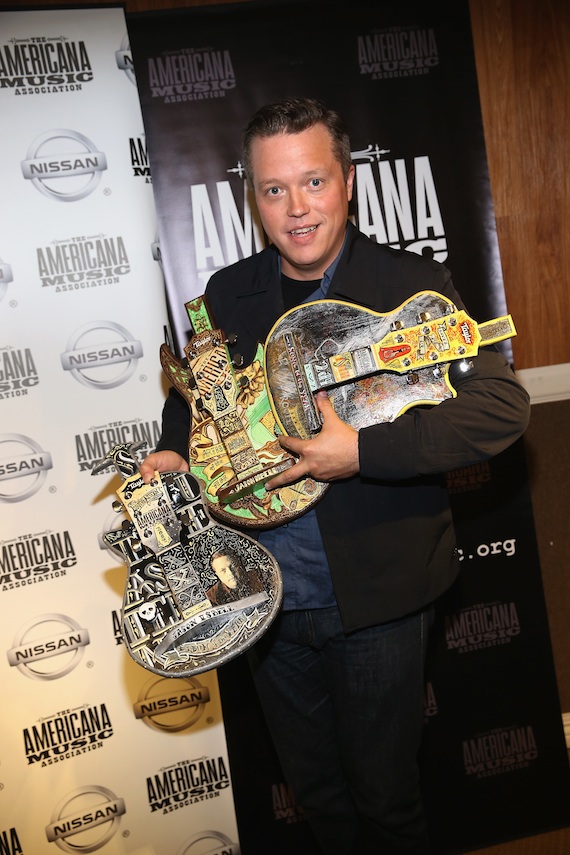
x,y
396,325
231,339
412,378
237,361
423,317
117,506
243,381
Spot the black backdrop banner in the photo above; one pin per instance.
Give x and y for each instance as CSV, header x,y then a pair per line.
x,y
403,75
403,78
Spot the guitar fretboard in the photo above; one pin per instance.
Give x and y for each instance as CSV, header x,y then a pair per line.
x,y
402,350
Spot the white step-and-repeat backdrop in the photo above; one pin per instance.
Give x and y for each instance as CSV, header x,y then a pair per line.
x,y
96,752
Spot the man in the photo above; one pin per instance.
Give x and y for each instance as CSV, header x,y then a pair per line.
x,y
340,672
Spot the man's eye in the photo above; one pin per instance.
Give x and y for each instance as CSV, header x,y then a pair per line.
x,y
273,191
315,182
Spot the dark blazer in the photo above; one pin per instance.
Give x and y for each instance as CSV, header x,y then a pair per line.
x,y
388,532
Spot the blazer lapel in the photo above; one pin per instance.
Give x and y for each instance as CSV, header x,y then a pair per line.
x,y
356,273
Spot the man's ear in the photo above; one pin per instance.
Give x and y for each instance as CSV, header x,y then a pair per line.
x,y
350,181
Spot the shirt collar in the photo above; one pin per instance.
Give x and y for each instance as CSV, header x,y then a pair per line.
x,y
329,272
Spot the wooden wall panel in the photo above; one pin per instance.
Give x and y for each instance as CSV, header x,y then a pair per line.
x,y
522,51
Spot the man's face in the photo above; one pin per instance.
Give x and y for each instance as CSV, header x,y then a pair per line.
x,y
302,199
223,568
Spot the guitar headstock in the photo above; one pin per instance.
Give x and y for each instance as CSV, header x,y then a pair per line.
x,y
150,509
212,370
122,456
431,341
147,505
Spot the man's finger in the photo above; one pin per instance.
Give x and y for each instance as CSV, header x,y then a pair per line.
x,y
292,444
324,404
289,476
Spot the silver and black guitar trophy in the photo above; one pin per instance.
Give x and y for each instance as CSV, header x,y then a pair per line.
x,y
198,593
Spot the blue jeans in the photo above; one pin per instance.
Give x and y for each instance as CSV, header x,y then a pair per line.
x,y
346,715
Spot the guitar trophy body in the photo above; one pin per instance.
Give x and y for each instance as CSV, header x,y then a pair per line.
x,y
373,366
233,446
198,593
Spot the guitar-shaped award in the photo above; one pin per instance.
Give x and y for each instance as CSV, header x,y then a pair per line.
x,y
373,366
198,593
233,446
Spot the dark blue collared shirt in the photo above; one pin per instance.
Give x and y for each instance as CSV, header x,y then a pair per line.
x,y
297,546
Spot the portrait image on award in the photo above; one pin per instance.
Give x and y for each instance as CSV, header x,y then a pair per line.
x,y
235,582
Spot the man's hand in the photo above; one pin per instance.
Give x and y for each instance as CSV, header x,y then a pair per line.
x,y
330,455
162,461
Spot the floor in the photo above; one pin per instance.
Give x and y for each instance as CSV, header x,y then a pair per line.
x,y
553,843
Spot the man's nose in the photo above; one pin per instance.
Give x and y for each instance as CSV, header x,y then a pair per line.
x,y
298,205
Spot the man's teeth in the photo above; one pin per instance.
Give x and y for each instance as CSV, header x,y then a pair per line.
x,y
303,231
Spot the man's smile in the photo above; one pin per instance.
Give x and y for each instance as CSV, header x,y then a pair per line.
x,y
304,231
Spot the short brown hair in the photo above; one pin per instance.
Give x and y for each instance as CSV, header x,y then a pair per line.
x,y
291,116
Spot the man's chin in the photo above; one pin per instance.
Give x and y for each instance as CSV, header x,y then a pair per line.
x,y
302,266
